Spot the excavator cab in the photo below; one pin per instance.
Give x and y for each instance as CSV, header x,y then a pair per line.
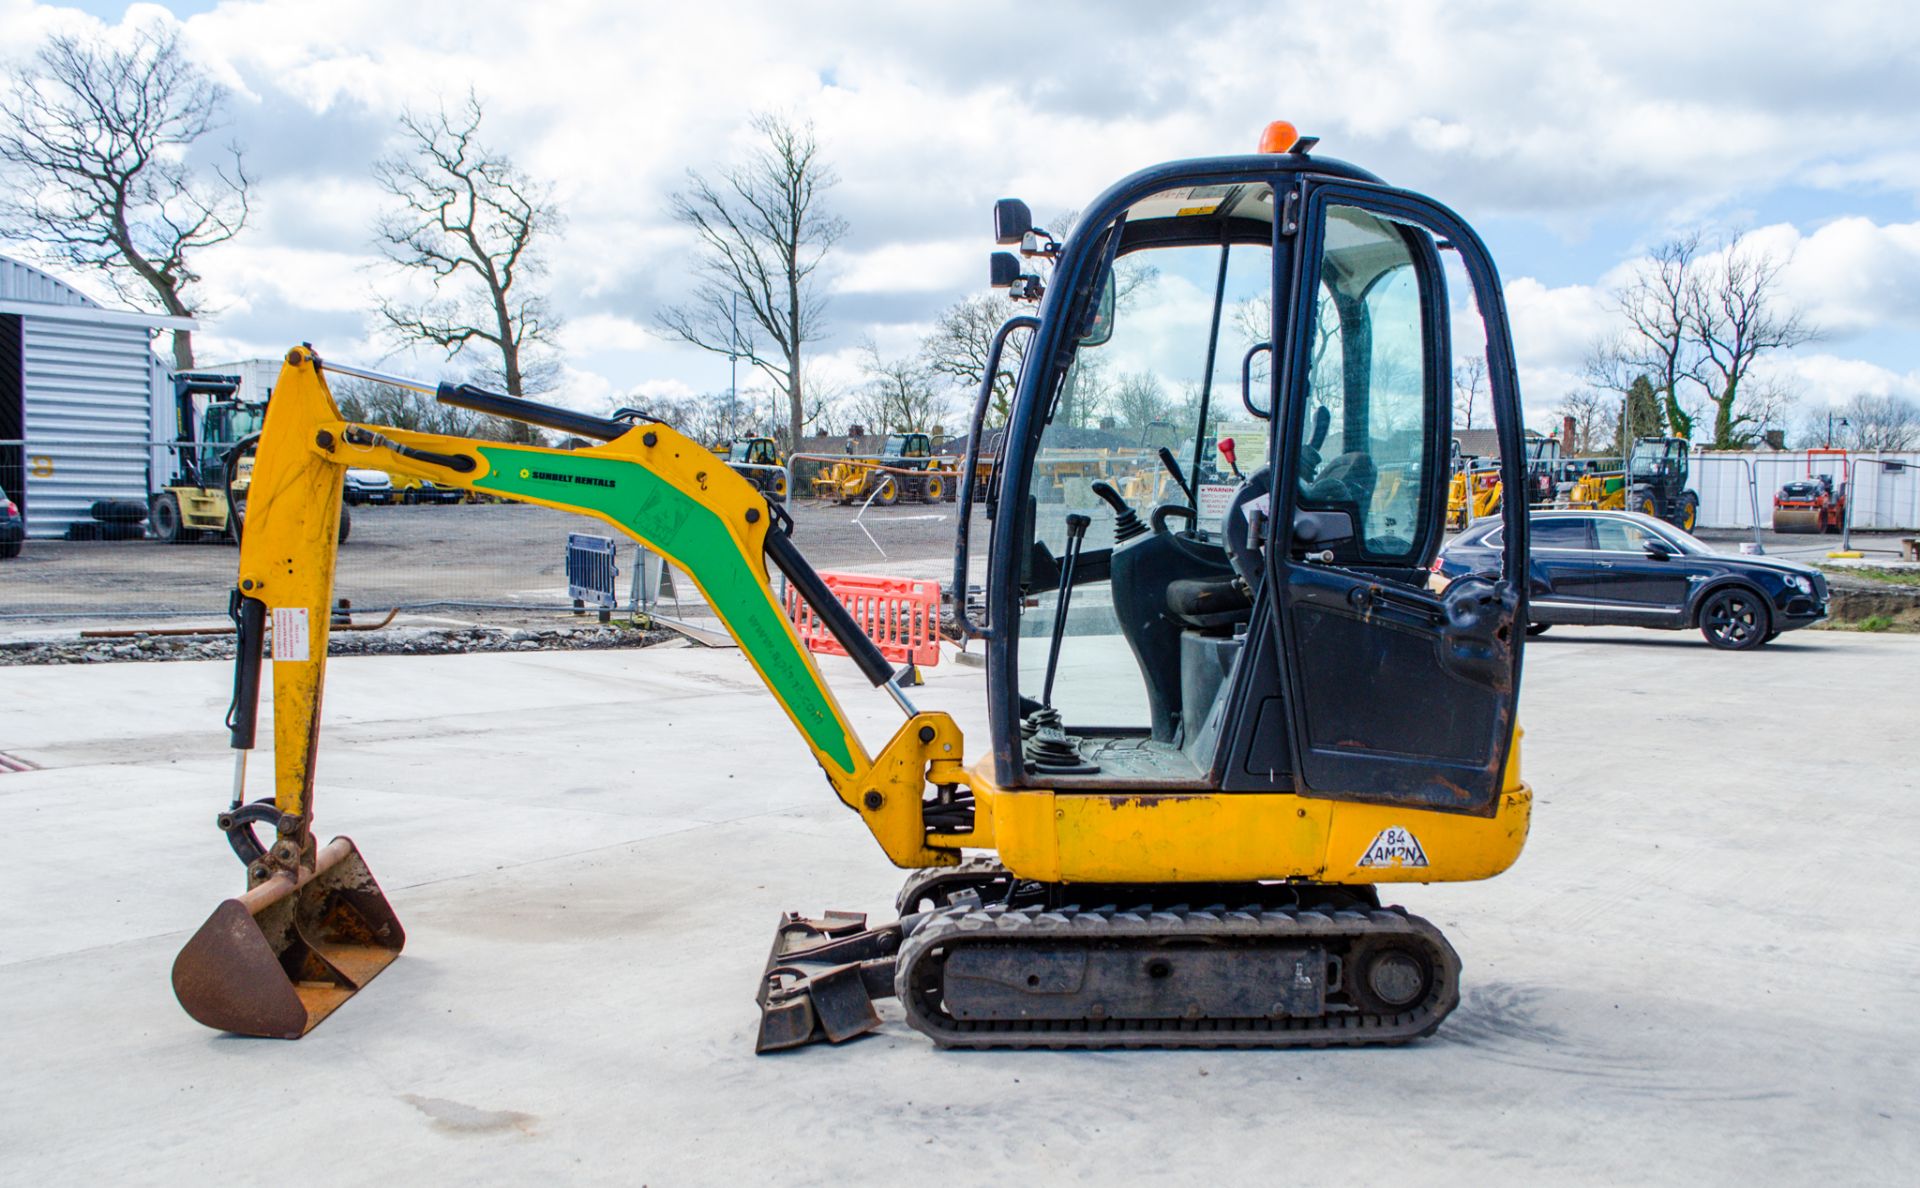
x,y
1266,629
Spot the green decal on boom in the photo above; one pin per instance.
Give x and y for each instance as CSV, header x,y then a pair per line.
x,y
659,513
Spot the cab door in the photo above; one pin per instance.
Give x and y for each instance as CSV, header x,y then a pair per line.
x,y
1396,693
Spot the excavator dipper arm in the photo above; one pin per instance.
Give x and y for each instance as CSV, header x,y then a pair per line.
x,y
315,912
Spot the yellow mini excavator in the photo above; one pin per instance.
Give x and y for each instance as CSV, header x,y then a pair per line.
x,y
1217,726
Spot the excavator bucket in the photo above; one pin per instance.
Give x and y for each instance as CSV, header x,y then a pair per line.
x,y
277,960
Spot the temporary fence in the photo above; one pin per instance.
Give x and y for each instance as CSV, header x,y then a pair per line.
x,y
900,614
1737,487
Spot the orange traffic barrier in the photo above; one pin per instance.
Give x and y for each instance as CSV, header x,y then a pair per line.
x,y
900,614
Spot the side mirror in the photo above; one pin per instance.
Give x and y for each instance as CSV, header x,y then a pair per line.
x,y
1005,268
1658,549
1011,221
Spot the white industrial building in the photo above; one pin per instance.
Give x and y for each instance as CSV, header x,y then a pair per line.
x,y
85,404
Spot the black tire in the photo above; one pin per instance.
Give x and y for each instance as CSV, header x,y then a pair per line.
x,y
777,489
1642,501
889,493
346,523
1689,511
165,521
934,490
1538,628
1735,619
118,511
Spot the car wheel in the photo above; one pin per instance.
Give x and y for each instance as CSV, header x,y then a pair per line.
x,y
346,523
1735,619
934,491
1538,628
889,492
164,518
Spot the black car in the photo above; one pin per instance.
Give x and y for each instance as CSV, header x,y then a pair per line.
x,y
13,527
1623,569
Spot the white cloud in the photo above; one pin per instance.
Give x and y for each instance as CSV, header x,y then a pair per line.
x,y
1565,116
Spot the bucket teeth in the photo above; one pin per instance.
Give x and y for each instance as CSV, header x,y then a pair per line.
x,y
277,960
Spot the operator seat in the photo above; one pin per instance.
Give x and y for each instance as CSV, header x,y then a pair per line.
x,y
1210,604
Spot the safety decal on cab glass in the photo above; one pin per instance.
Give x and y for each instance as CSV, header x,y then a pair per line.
x,y
1394,847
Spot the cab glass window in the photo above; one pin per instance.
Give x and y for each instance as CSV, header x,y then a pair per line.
x,y
1193,293
1365,444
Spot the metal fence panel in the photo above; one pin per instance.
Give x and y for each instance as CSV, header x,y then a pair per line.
x,y
1884,500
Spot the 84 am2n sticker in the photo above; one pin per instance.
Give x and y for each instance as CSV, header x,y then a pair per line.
x,y
1394,847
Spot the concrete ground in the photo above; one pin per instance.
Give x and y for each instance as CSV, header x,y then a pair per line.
x,y
1701,971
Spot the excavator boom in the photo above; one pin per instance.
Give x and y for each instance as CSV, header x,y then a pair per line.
x,y
315,913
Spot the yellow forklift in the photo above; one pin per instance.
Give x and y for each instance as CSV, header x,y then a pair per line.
x,y
213,463
1218,728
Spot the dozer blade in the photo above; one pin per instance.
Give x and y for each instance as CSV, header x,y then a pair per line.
x,y
277,960
1796,520
822,978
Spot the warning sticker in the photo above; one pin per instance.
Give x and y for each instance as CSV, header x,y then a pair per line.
x,y
290,633
1212,505
1394,847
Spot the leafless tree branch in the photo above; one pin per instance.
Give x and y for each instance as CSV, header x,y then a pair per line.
x,y
762,232
472,221
96,141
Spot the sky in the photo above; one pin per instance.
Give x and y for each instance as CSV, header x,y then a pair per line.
x,y
1573,136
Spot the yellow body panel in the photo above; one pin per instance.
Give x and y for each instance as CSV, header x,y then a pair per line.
x,y
1118,837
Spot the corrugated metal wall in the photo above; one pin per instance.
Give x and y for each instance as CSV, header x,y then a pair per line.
x,y
89,418
19,282
1883,500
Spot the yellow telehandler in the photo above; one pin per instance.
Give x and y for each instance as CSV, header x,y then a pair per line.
x,y
1216,727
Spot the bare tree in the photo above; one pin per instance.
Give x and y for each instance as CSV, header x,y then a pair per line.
x,y
1658,304
1736,316
1881,423
1140,399
763,231
957,348
1469,381
383,404
98,139
899,395
1595,415
473,221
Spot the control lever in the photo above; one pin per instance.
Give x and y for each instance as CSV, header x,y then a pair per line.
x,y
1173,468
1226,451
1126,522
1323,557
1077,525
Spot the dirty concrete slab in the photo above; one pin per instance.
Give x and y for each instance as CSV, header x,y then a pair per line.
x,y
1700,970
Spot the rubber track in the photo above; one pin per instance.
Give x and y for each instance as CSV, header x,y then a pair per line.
x,y
971,872
918,974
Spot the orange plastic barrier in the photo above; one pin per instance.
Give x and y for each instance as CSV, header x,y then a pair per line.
x,y
902,616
